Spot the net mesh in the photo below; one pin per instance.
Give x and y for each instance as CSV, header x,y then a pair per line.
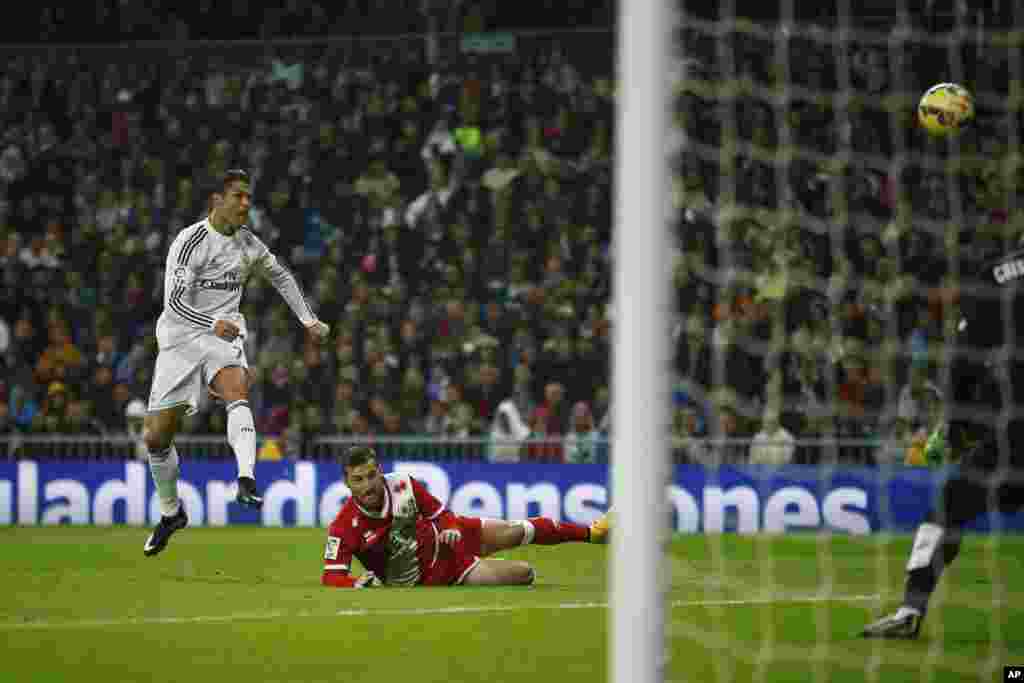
x,y
822,243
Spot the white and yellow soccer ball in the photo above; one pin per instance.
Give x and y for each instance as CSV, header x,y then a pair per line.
x,y
945,108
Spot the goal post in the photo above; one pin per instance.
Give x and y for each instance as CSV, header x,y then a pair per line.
x,y
639,357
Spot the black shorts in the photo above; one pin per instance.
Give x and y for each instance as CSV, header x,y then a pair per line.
x,y
986,481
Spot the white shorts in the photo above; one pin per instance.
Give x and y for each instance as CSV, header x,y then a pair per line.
x,y
184,373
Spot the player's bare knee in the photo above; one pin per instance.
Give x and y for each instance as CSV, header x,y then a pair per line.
x,y
231,384
512,535
156,440
158,431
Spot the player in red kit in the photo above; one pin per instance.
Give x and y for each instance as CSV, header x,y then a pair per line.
x,y
404,536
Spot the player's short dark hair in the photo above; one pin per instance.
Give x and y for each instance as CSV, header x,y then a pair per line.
x,y
356,456
220,185
234,175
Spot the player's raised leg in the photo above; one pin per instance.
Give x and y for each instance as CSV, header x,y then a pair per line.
x,y
497,535
937,543
159,429
231,384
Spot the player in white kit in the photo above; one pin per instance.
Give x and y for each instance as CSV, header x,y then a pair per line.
x,y
200,334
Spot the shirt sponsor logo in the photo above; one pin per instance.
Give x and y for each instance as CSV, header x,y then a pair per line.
x,y
229,282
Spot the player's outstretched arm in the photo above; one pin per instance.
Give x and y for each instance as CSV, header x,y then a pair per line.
x,y
337,579
338,554
288,287
342,579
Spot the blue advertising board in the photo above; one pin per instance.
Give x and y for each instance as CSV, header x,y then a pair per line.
x,y
299,493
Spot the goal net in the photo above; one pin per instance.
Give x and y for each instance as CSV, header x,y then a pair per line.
x,y
820,242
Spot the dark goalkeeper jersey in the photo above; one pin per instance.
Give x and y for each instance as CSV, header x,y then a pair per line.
x,y
987,372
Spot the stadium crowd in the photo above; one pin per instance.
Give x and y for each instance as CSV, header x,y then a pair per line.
x,y
449,215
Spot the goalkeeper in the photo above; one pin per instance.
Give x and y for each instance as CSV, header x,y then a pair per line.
x,y
986,434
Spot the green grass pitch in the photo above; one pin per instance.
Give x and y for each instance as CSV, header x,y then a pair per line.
x,y
245,604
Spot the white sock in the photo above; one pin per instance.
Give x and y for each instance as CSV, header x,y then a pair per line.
x,y
242,437
529,531
163,465
927,542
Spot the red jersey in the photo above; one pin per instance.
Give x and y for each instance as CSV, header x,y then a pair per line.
x,y
399,544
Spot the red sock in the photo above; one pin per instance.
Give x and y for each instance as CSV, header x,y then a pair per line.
x,y
549,532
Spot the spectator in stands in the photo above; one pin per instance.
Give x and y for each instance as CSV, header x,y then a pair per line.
x,y
23,407
463,422
426,219
543,447
860,401
79,419
141,354
7,423
305,423
582,443
549,422
279,389
438,421
689,444
915,411
411,405
11,269
101,392
134,414
377,184
508,432
62,359
318,380
345,395
727,443
106,354
773,444
485,393
52,417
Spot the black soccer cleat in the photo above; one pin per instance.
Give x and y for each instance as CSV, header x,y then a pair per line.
x,y
904,624
247,494
157,540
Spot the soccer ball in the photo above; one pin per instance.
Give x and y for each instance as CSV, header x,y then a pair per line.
x,y
945,108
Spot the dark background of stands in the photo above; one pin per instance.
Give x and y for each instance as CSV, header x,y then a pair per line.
x,y
442,313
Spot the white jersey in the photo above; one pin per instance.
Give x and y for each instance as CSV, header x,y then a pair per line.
x,y
204,278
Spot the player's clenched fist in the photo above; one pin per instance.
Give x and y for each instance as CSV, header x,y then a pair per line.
x,y
450,537
319,330
226,330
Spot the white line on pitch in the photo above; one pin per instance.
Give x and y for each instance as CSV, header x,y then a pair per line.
x,y
675,604
417,611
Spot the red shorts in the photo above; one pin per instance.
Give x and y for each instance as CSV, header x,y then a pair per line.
x,y
454,564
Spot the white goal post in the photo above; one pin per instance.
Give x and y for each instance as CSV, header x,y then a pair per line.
x,y
639,356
